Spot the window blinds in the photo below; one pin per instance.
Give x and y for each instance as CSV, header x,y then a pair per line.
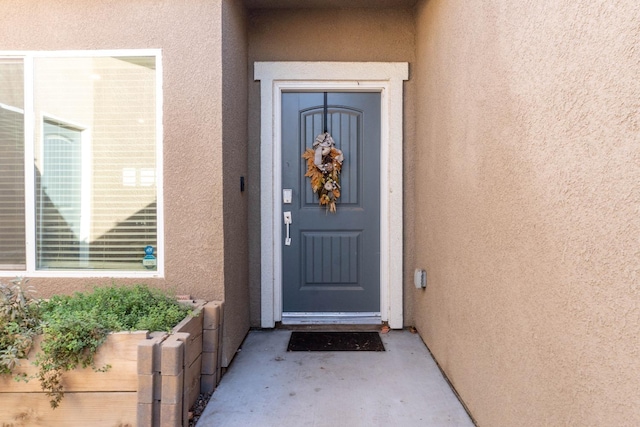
x,y
95,153
12,194
94,143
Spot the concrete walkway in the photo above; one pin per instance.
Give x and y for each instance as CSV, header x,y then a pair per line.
x,y
268,386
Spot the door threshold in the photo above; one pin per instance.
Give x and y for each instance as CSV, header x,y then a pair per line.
x,y
371,318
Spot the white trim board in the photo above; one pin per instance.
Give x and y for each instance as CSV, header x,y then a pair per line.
x,y
384,77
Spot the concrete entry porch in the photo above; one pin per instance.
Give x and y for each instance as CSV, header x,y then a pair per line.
x,y
268,386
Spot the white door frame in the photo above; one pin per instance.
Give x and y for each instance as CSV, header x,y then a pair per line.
x,y
384,77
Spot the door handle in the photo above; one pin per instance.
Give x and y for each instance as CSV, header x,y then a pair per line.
x,y
287,222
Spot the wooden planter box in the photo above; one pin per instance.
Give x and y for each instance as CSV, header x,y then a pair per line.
x,y
153,381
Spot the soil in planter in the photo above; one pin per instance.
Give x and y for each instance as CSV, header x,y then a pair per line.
x,y
198,408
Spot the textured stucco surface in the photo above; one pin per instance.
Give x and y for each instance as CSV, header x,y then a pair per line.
x,y
198,261
528,206
234,133
376,35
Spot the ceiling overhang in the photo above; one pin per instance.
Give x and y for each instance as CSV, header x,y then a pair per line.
x,y
328,4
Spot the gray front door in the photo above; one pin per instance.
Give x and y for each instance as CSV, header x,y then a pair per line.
x,y
332,264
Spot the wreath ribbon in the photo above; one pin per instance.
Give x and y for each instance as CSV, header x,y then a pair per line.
x,y
324,163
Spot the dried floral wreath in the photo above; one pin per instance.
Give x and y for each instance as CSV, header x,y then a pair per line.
x,y
324,162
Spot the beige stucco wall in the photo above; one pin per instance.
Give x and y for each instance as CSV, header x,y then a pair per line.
x,y
234,154
350,35
201,260
528,206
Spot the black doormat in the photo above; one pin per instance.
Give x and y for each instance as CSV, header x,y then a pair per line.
x,y
335,341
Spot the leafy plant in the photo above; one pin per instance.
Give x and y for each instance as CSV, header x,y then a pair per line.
x,y
73,327
19,322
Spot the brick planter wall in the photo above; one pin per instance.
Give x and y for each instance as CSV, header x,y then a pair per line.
x,y
173,370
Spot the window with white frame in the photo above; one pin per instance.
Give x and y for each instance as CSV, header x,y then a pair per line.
x,y
80,143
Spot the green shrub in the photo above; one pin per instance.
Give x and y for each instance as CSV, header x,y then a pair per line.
x,y
73,327
19,322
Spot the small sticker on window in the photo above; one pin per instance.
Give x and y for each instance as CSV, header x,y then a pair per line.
x,y
149,261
